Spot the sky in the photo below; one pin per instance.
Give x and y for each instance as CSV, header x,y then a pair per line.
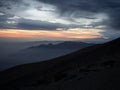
x,y
59,20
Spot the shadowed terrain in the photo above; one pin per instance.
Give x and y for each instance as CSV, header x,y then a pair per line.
x,y
92,68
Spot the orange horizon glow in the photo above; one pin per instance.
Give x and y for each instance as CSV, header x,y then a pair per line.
x,y
46,34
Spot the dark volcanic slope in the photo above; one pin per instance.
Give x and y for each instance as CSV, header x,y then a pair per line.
x,y
93,68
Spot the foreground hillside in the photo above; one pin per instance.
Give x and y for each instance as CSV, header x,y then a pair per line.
x,y
93,68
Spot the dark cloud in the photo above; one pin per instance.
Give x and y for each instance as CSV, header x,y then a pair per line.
x,y
39,25
66,8
6,23
110,7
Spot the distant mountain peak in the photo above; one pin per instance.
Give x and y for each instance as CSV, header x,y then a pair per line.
x,y
65,44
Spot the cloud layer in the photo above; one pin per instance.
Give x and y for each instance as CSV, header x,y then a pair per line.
x,y
61,15
88,8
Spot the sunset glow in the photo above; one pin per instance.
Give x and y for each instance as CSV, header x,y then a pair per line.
x,y
44,34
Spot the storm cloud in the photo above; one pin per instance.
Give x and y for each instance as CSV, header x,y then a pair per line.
x,y
54,14
109,7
